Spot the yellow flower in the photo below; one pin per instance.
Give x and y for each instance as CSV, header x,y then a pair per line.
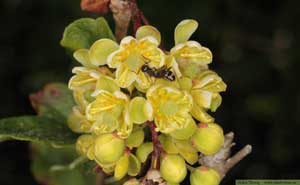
x,y
78,122
205,89
109,112
190,55
133,54
83,97
85,145
171,107
87,77
84,83
84,78
140,110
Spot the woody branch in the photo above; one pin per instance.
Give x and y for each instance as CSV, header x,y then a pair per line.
x,y
221,161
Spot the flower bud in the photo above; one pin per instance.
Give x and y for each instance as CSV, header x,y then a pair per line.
x,y
173,168
135,139
143,151
167,144
208,138
121,167
205,176
84,143
134,167
186,132
77,121
186,150
108,148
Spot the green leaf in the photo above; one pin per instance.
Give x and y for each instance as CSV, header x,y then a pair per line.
x,y
73,177
79,172
73,170
44,156
53,105
37,129
83,32
54,101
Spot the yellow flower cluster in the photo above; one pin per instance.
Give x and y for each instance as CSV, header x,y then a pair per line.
x,y
122,86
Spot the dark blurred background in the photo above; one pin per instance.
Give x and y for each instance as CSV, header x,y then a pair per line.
x,y
256,51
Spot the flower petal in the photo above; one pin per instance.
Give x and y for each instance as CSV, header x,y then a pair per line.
x,y
192,51
140,110
191,69
150,53
205,78
186,132
83,57
185,83
165,82
171,107
171,63
82,98
133,62
125,125
216,102
145,31
201,115
202,98
78,122
106,123
107,84
144,81
184,30
128,41
175,67
84,144
84,78
100,50
116,58
168,144
124,77
216,87
105,101
134,165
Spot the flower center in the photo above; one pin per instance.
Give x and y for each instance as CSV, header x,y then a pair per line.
x,y
169,108
133,62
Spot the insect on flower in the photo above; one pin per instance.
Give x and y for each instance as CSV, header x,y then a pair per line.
x,y
162,72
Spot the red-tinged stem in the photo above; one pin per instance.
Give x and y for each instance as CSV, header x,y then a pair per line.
x,y
144,19
136,22
157,149
136,16
97,169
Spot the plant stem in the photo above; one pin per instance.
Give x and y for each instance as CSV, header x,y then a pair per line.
x,y
144,19
136,15
122,14
221,161
156,146
190,168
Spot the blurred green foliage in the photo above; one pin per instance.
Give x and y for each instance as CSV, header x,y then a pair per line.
x,y
256,51
72,169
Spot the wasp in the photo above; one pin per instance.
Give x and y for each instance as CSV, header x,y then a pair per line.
x,y
162,72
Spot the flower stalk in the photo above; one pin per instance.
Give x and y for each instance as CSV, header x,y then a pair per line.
x,y
157,149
